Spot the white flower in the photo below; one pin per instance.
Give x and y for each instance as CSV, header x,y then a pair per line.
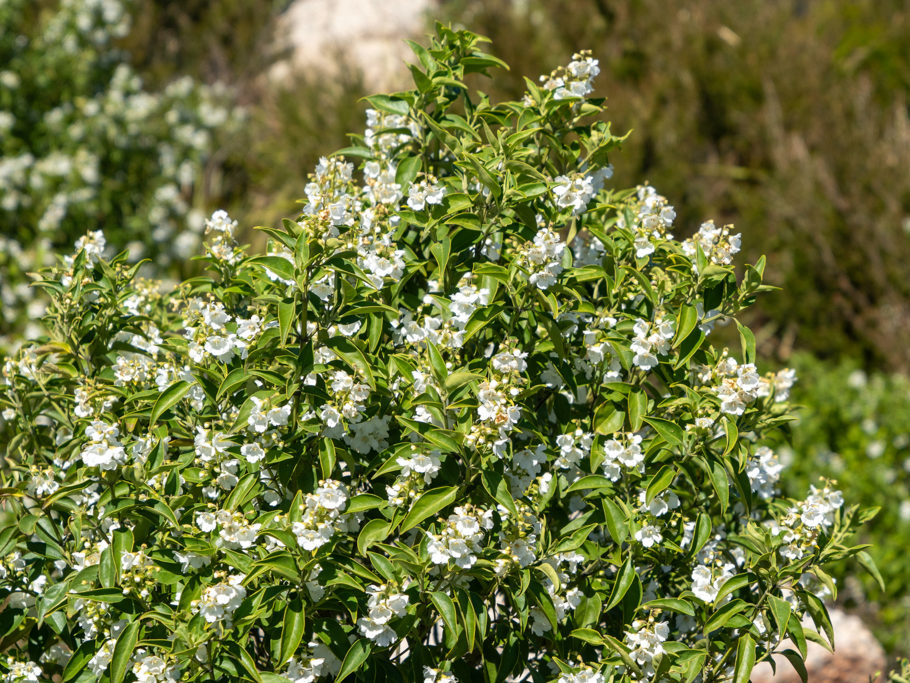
x,y
384,605
253,452
219,601
221,222
648,536
206,521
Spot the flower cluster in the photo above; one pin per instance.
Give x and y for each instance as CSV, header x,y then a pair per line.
x,y
310,665
384,604
84,143
652,219
459,540
219,601
575,79
542,258
717,244
740,384
577,191
645,642
800,528
651,340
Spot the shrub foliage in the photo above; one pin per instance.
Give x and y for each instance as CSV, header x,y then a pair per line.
x,y
463,419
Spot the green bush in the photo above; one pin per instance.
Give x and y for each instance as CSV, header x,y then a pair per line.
x,y
462,420
83,146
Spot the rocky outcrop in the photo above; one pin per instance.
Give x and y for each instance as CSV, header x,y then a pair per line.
x,y
367,35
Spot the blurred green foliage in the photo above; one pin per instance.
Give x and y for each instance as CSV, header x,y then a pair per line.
x,y
791,116
855,428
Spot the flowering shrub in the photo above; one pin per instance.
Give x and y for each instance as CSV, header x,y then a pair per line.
x,y
83,145
463,419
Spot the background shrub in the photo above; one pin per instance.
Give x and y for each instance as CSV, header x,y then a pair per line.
x,y
855,428
84,145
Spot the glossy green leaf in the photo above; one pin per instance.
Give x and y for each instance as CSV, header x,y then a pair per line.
x,y
429,503
123,651
354,659
745,659
292,629
168,399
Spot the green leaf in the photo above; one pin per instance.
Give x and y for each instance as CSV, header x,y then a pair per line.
x,y
277,265
659,482
245,660
820,617
408,168
78,662
624,580
734,583
616,521
429,503
747,340
866,562
364,501
685,323
234,380
623,652
780,611
745,659
123,651
587,635
327,457
168,399
440,372
574,540
732,434
702,533
351,354
446,609
671,432
459,379
441,252
286,312
374,531
672,604
547,570
241,492
590,481
720,482
798,664
354,659
542,597
689,347
498,489
608,420
389,104
107,573
291,630
724,614
384,566
638,408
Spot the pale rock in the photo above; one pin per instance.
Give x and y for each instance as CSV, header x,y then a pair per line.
x,y
857,657
368,35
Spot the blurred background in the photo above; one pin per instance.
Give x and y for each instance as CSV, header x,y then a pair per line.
x,y
788,118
